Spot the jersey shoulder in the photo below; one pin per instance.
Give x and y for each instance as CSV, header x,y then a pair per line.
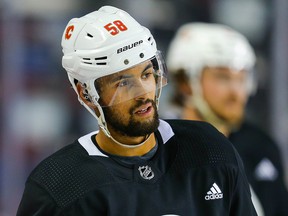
x,y
202,144
252,137
69,173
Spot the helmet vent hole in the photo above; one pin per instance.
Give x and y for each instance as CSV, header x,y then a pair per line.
x,y
149,39
87,61
101,62
101,58
95,61
89,35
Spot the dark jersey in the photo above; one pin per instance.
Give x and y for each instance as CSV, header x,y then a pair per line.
x,y
263,166
195,171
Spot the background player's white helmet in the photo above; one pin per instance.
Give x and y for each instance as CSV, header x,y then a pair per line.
x,y
105,42
199,45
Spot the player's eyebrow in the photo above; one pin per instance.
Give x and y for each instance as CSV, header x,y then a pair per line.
x,y
148,67
118,77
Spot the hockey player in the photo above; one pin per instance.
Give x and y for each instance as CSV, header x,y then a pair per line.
x,y
136,164
212,71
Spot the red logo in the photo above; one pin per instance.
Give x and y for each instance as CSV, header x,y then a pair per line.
x,y
115,27
69,31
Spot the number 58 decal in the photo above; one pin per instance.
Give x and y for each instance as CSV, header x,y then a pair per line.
x,y
115,27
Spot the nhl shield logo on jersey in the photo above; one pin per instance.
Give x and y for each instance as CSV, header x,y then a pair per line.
x,y
146,172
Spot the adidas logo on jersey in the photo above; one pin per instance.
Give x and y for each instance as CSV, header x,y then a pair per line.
x,y
214,193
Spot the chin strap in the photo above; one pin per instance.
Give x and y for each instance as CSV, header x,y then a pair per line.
x,y
203,107
131,146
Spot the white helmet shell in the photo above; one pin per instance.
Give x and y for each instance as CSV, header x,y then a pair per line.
x,y
104,42
197,45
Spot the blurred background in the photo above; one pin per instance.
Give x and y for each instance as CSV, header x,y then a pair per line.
x,y
39,111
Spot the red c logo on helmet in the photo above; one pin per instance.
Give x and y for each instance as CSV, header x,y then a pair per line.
x,y
68,33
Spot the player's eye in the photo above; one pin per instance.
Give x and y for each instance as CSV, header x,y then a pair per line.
x,y
148,73
123,83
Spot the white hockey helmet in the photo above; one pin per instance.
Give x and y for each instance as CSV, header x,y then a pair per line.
x,y
199,45
105,42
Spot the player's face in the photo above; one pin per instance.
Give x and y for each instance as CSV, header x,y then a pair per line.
x,y
225,91
137,116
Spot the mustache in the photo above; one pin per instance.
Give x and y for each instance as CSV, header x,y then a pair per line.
x,y
140,103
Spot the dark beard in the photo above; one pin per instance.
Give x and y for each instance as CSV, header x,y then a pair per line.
x,y
133,128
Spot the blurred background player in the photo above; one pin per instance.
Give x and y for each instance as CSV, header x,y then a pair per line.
x,y
212,73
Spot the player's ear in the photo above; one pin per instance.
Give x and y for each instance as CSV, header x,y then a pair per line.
x,y
85,97
183,82
83,94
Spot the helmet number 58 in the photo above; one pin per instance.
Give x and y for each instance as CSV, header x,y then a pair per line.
x,y
115,27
